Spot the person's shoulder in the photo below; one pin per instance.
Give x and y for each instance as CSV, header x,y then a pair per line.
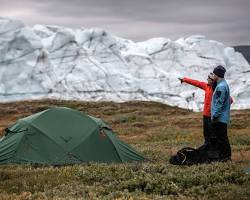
x,y
222,85
222,82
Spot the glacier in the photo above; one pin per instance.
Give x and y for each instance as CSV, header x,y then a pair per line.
x,y
93,65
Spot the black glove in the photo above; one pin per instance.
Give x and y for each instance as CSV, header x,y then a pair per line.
x,y
215,119
181,79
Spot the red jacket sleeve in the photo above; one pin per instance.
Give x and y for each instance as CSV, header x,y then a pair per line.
x,y
199,84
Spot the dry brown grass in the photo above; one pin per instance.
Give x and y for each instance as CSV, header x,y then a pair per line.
x,y
154,129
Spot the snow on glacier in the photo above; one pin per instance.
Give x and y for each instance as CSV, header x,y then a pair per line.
x,y
91,64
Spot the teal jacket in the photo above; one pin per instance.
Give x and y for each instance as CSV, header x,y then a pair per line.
x,y
220,107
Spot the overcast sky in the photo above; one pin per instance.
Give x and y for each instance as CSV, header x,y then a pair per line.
x,y
227,21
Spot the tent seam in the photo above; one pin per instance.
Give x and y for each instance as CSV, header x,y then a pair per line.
x,y
43,133
115,148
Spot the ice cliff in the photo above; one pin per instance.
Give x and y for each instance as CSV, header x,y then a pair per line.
x,y
94,65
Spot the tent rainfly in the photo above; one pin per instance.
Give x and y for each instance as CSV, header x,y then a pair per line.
x,y
63,136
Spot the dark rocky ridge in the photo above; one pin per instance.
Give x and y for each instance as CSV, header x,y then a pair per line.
x,y
245,50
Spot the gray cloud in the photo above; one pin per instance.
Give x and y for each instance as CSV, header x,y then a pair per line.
x,y
223,20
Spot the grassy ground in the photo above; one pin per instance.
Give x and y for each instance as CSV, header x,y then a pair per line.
x,y
155,130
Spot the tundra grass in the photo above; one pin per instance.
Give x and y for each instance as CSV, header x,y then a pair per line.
x,y
155,130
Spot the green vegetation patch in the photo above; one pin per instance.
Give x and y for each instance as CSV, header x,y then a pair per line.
x,y
157,131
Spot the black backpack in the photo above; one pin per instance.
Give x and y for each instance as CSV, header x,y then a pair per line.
x,y
189,156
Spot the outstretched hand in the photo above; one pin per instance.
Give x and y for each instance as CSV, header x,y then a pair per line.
x,y
181,79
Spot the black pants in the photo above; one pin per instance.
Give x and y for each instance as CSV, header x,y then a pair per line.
x,y
206,133
219,140
206,129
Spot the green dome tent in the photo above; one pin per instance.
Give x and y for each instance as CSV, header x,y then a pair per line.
x,y
61,136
